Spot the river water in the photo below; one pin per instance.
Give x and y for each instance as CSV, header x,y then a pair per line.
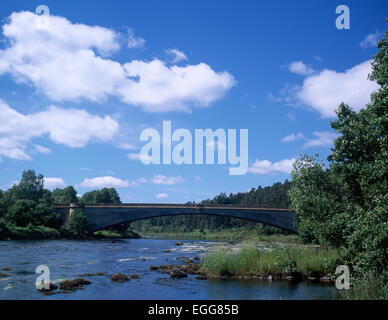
x,y
68,259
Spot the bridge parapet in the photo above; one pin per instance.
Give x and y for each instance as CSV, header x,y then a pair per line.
x,y
103,216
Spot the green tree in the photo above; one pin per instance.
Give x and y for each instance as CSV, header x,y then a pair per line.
x,y
30,187
347,203
65,196
21,213
78,224
105,195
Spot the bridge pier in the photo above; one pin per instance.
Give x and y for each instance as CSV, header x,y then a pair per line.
x,y
73,207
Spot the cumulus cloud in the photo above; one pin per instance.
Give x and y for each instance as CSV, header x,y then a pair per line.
x,y
322,139
370,41
104,182
267,167
299,67
70,62
178,55
42,149
161,179
70,127
162,195
134,42
52,183
162,88
325,91
293,137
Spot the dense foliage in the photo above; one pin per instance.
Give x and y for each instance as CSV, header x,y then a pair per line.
x,y
105,195
26,209
346,203
274,196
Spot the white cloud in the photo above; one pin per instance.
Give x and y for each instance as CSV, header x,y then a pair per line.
x,y
134,42
293,137
162,195
42,149
325,91
161,179
104,182
161,88
136,156
69,62
138,182
71,127
370,40
266,166
299,67
178,55
52,183
126,146
322,139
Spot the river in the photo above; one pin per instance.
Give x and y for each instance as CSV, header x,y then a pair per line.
x,y
69,259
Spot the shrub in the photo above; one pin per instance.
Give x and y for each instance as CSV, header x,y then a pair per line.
x,y
78,225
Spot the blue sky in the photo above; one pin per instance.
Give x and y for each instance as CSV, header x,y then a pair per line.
x,y
75,97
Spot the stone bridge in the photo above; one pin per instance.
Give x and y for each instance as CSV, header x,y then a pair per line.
x,y
103,216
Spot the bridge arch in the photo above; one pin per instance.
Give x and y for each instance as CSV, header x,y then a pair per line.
x,y
103,216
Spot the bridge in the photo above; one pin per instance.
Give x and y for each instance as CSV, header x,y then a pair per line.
x,y
101,216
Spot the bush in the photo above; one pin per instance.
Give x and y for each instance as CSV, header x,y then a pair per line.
x,y
21,213
78,225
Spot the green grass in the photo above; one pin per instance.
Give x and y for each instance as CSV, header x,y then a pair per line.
x,y
32,232
232,234
370,287
116,235
250,261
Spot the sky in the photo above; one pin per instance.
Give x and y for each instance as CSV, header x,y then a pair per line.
x,y
77,89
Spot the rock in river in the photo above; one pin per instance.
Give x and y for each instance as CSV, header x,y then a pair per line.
x,y
154,268
6,269
119,277
51,287
76,283
178,243
177,273
201,276
134,276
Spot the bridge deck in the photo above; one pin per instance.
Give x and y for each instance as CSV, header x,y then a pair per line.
x,y
100,216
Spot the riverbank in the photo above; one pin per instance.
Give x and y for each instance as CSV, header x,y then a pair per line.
x,y
31,232
291,263
232,234
109,234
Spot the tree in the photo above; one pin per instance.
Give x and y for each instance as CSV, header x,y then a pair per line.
x,y
78,225
108,195
21,213
65,196
347,203
105,195
30,186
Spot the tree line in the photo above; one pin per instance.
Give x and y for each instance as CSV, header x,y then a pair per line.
x,y
26,209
